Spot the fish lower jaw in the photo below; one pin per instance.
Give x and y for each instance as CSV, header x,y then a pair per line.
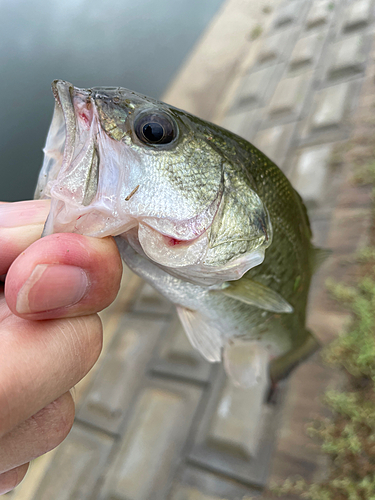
x,y
66,215
189,267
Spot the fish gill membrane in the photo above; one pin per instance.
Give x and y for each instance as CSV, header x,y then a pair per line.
x,y
198,212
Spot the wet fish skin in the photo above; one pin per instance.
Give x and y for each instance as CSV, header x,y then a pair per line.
x,y
287,268
194,217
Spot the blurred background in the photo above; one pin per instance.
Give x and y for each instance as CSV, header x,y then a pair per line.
x,y
138,45
154,420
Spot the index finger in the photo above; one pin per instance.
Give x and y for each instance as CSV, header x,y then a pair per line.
x,y
21,223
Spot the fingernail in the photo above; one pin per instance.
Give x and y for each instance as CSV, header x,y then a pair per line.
x,y
51,286
24,213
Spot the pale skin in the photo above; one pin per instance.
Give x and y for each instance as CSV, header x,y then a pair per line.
x,y
50,333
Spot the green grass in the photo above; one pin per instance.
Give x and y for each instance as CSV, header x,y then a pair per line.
x,y
347,437
365,174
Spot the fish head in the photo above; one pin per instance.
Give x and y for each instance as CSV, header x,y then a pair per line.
x,y
120,163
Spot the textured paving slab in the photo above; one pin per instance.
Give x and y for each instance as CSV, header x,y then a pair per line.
x,y
176,357
358,14
193,483
275,47
311,173
150,450
229,438
306,51
320,14
244,122
290,13
330,106
275,141
108,400
348,56
290,95
76,467
257,87
330,113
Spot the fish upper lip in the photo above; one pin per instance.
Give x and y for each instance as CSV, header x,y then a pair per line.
x,y
59,88
62,93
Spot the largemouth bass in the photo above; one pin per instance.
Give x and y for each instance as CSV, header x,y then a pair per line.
x,y
198,212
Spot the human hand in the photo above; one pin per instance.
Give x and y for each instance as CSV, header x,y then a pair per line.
x,y
63,279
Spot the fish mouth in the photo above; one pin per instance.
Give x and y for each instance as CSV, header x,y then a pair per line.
x,y
70,171
63,144
60,139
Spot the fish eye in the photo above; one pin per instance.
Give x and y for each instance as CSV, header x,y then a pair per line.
x,y
155,128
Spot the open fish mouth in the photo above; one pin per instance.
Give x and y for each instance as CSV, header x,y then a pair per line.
x,y
70,171
54,148
70,105
60,145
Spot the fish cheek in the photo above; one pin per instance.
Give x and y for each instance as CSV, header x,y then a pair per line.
x,y
112,119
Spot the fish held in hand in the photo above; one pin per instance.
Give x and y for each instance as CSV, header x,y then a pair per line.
x,y
197,211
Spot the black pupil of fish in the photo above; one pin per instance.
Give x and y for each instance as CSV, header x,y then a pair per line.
x,y
155,129
154,132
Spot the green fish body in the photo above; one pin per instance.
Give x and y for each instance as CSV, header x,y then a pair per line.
x,y
197,211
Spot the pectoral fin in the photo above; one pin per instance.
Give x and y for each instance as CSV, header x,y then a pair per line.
x,y
203,335
257,295
281,367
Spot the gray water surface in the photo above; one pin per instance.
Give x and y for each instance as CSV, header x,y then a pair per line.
x,y
134,44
